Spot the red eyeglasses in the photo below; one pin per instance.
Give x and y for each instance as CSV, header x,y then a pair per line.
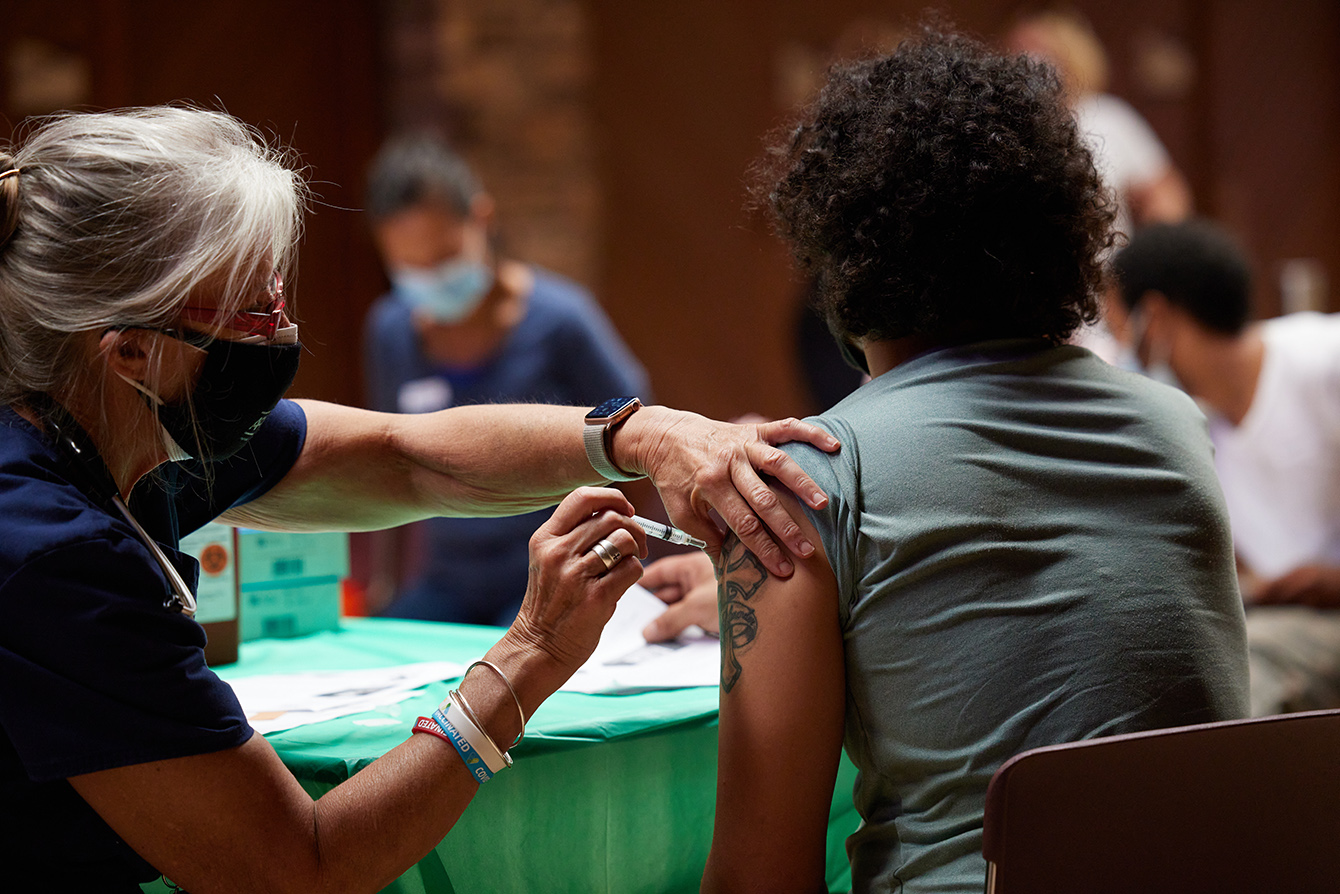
x,y
253,322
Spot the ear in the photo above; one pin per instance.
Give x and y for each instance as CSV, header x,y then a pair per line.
x,y
126,351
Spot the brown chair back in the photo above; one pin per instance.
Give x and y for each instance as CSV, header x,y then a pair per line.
x,y
1242,805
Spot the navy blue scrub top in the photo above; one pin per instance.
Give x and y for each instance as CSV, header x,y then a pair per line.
x,y
94,672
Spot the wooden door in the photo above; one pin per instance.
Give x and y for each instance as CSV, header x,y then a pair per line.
x,y
303,73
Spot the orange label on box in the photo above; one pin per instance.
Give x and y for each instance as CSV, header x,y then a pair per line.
x,y
213,559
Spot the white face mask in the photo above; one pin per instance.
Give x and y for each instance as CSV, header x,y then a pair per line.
x,y
174,450
1158,368
284,335
448,292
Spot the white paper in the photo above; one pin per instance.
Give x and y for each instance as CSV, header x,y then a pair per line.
x,y
624,662
274,702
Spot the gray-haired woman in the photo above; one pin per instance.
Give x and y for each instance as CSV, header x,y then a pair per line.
x,y
143,330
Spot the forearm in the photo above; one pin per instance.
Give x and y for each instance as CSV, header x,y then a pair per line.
x,y
493,460
251,827
361,470
522,452
391,814
267,835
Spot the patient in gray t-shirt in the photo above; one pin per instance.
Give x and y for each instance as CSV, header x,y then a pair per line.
x,y
1022,545
1029,547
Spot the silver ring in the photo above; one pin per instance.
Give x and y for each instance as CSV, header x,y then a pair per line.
x,y
608,553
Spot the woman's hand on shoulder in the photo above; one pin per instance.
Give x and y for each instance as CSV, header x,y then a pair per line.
x,y
700,465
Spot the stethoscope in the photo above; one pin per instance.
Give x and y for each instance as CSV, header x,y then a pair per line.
x,y
181,599
78,448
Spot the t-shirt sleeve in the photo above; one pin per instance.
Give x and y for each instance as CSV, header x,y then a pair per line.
x,y
1126,144
837,523
97,674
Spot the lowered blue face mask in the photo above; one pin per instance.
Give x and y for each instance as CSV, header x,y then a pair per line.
x,y
1158,368
447,292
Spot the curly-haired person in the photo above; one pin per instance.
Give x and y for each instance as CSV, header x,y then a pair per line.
x,y
1023,545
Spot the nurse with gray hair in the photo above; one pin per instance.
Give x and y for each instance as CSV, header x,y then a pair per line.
x,y
145,347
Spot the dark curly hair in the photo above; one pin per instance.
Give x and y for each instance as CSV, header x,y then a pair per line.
x,y
942,191
1197,266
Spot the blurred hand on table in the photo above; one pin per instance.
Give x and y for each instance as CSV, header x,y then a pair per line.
x,y
688,585
1317,586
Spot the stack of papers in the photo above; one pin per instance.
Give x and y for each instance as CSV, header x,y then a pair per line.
x,y
624,662
274,702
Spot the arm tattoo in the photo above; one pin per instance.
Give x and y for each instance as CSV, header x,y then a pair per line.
x,y
739,575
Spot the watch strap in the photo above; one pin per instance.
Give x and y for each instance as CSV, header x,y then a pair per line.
x,y
594,438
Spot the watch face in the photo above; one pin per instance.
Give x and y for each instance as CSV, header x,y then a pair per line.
x,y
612,408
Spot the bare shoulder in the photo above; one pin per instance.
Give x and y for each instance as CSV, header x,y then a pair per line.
x,y
748,595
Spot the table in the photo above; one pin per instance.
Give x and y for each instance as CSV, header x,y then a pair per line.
x,y
609,793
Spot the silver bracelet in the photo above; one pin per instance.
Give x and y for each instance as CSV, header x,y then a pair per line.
x,y
457,698
508,683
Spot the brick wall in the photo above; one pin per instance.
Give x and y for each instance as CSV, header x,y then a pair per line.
x,y
508,82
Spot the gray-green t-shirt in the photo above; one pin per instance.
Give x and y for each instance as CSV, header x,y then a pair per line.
x,y
1030,547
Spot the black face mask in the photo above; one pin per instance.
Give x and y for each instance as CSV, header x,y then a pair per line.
x,y
854,356
239,385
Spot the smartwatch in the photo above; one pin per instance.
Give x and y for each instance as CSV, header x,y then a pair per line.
x,y
598,435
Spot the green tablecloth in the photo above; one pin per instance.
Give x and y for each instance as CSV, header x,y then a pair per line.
x,y
609,793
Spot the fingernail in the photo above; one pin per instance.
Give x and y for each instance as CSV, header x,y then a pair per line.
x,y
805,548
818,499
786,568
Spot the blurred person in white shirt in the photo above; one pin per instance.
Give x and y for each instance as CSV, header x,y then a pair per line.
x,y
1271,392
1133,163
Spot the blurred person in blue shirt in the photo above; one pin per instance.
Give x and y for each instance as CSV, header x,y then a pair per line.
x,y
463,325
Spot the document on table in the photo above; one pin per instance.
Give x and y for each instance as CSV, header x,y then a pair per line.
x,y
274,702
624,662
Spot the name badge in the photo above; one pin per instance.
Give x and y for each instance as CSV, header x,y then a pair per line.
x,y
424,395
